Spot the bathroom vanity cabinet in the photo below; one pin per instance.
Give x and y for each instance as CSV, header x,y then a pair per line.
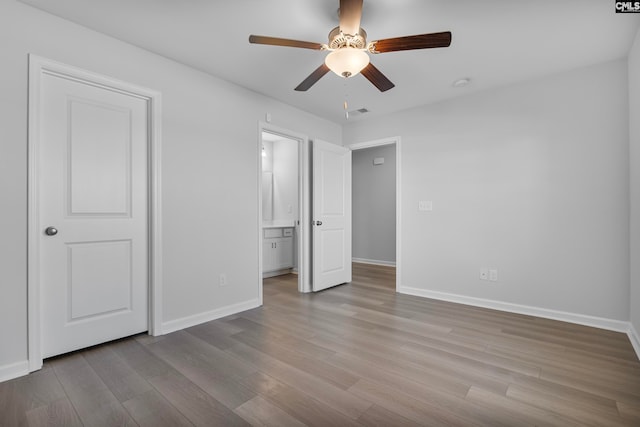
x,y
277,250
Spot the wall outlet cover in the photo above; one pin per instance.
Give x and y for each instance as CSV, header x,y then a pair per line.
x,y
484,274
493,275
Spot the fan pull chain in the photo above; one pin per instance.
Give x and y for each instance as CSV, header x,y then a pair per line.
x,y
346,97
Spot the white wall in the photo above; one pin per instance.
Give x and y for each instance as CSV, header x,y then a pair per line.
x,y
209,172
374,204
634,140
530,179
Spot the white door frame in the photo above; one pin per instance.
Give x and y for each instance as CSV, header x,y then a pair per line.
x,y
304,214
377,143
39,67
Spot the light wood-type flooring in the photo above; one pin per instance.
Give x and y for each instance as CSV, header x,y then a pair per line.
x,y
358,354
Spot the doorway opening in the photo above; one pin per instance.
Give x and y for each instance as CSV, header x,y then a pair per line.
x,y
282,231
376,205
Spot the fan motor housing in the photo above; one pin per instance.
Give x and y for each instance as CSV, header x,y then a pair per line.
x,y
338,40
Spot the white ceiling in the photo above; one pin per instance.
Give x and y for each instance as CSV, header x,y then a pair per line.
x,y
495,43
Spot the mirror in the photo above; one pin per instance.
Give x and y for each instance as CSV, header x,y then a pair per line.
x,y
267,196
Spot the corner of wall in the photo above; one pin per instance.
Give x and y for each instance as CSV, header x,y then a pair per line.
x,y
634,187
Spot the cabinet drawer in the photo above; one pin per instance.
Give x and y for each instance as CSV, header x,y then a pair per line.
x,y
287,232
270,233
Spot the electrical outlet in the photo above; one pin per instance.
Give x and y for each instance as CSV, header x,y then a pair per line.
x,y
493,275
484,274
223,279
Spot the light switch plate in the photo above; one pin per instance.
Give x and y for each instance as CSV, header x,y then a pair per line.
x,y
493,275
425,205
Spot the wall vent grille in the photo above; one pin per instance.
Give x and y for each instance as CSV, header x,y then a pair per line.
x,y
358,112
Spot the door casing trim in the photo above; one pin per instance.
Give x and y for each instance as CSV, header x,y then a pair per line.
x,y
38,67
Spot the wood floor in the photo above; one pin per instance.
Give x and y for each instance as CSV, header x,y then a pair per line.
x,y
354,355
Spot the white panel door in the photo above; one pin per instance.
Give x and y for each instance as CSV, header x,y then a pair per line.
x,y
93,192
331,263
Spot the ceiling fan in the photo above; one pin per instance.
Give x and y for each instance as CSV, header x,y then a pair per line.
x,y
348,48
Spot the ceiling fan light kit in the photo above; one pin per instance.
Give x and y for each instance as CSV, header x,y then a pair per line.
x,y
349,51
347,61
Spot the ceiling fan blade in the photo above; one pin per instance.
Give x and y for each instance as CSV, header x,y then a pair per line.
x,y
350,14
376,77
275,41
313,78
421,41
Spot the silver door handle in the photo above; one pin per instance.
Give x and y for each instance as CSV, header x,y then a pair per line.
x,y
318,222
51,231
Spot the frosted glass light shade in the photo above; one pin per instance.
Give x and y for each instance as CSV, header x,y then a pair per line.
x,y
347,61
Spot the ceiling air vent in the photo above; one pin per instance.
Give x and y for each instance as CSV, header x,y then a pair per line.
x,y
358,112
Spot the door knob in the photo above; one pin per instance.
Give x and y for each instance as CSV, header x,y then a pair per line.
x,y
318,222
51,231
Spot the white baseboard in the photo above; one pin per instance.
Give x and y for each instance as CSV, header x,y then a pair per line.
x,y
14,370
189,321
634,338
580,319
374,262
278,273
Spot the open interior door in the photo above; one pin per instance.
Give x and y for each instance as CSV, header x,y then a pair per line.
x,y
331,215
